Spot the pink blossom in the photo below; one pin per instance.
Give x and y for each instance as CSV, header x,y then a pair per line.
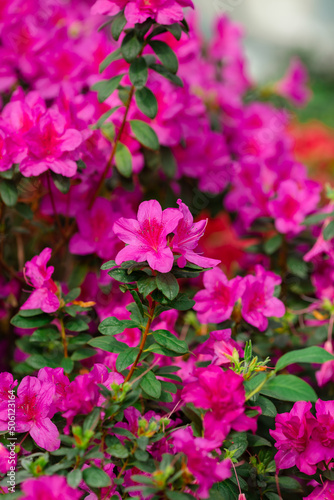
x,y
294,84
200,461
6,459
258,302
219,346
50,487
38,275
292,435
326,372
147,236
223,394
324,491
7,384
215,303
34,402
186,237
60,381
321,445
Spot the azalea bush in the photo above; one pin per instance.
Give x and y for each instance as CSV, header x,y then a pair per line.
x,y
167,297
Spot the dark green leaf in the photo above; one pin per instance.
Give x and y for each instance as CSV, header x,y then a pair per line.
x,y
122,276
61,182
72,295
114,56
83,353
34,322
168,162
67,364
96,478
270,246
158,349
254,440
166,55
74,478
29,313
108,344
144,134
77,324
168,285
104,117
289,388
168,340
175,30
24,210
146,285
268,408
308,355
146,102
158,68
151,385
117,25
131,47
120,431
329,231
106,87
297,267
138,72
126,358
123,160
113,326
177,495
108,265
8,192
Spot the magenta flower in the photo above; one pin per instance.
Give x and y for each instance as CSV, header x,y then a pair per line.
x,y
60,381
6,460
321,445
137,11
146,237
50,487
215,303
258,302
326,372
34,402
324,491
292,435
39,276
294,84
219,346
185,240
200,461
50,142
7,383
223,394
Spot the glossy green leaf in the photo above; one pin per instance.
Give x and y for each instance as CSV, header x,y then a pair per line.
x,y
166,55
151,385
105,88
168,285
147,102
123,160
138,72
126,358
168,340
144,134
8,192
289,388
308,355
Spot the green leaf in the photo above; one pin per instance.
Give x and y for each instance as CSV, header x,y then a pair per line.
x,y
146,102
122,275
158,349
177,495
270,246
67,364
144,134
168,285
118,450
289,388
151,385
123,160
166,55
168,162
114,56
34,322
181,303
254,440
104,117
138,72
117,25
24,210
106,87
96,478
120,431
83,353
77,324
146,285
158,68
72,295
108,265
61,182
175,30
329,231
126,358
131,47
168,340
28,313
268,408
113,326
297,267
108,344
8,192
316,218
308,355
74,478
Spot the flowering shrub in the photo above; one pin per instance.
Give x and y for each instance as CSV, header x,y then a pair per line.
x,y
167,262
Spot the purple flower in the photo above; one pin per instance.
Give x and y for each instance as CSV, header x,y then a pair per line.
x,y
146,237
292,435
215,303
39,276
258,302
206,469
50,487
185,240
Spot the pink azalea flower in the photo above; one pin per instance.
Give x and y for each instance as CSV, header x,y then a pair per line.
x,y
7,383
6,459
292,435
321,445
50,143
324,491
60,381
185,240
258,302
219,346
200,461
215,303
223,394
146,237
294,84
39,276
34,402
50,487
326,372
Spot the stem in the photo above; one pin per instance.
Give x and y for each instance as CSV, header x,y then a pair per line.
x,y
113,151
63,337
142,344
54,208
259,387
278,487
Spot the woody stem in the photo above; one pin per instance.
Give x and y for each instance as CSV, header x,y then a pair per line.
x,y
143,342
63,337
